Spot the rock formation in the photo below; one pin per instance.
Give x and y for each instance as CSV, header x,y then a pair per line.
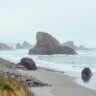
x,y
71,44
86,74
10,86
18,46
25,45
5,47
81,47
46,45
10,69
28,63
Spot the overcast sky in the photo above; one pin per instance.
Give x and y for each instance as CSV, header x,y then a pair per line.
x,y
66,20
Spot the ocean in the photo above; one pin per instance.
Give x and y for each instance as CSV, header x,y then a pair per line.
x,y
71,65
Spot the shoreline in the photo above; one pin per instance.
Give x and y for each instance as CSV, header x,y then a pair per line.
x,y
62,85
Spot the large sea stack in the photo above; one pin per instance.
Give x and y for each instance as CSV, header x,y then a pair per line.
x,y
47,45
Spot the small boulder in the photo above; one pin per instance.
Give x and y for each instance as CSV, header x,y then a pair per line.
x,y
28,63
86,74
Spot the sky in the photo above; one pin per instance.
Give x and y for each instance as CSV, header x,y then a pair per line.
x,y
66,20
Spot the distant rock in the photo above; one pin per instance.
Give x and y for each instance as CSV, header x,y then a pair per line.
x,y
26,45
81,47
18,46
46,45
70,44
73,46
28,63
5,47
86,74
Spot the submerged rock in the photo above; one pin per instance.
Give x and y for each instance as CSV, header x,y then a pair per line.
x,y
86,74
46,45
28,63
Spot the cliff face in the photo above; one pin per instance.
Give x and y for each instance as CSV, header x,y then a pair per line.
x,y
46,44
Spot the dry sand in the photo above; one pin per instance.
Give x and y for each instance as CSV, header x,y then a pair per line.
x,y
62,85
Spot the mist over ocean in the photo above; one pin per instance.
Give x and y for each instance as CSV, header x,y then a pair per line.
x,y
72,65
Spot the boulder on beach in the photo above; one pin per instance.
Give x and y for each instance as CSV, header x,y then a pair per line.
x,y
5,47
47,45
86,74
28,63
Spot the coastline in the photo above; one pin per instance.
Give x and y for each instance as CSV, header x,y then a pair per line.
x,y
62,85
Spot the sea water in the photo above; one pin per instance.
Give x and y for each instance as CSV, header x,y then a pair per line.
x,y
72,65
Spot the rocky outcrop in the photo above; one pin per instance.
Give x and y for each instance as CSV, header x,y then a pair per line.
x,y
10,86
70,44
18,46
46,45
25,45
73,46
28,63
81,47
5,47
86,74
11,70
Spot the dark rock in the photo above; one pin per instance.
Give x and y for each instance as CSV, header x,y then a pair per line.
x,y
5,47
86,74
18,46
47,45
28,63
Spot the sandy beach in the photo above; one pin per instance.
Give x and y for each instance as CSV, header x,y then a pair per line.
x,y
62,85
